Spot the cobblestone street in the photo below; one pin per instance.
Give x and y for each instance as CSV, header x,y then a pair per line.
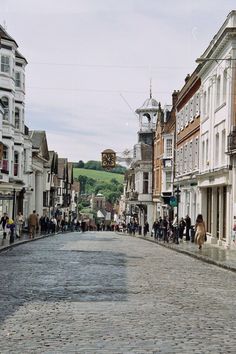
x,y
106,293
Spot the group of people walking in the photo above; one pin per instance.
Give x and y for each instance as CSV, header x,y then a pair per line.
x,y
38,225
166,230
11,227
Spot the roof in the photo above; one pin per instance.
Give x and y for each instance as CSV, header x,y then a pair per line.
x,y
52,162
20,56
39,142
228,25
5,35
100,214
62,167
149,104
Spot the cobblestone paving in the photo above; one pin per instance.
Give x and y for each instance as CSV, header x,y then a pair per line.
x,y
105,293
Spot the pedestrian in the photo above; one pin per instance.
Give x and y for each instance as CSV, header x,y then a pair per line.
x,y
200,231
188,227
19,224
164,226
146,228
33,224
155,229
11,227
182,225
3,222
53,224
175,230
159,229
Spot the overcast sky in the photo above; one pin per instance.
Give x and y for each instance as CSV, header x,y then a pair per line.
x,y
90,63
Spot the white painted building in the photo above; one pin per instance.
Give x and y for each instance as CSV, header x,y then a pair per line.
x,y
39,178
217,172
14,143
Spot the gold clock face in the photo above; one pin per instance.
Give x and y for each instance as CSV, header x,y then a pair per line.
x,y
108,160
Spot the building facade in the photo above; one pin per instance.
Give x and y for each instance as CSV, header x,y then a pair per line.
x,y
15,145
216,180
187,146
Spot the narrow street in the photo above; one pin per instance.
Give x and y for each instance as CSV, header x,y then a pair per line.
x,y
99,292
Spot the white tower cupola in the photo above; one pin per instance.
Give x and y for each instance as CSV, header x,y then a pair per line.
x,y
148,114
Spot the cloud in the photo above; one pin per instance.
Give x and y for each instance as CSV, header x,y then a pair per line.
x,y
85,55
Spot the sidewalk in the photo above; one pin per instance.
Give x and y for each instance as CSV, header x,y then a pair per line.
x,y
5,245
209,253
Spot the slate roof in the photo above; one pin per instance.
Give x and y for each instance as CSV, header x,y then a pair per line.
x,y
5,35
39,142
62,167
19,55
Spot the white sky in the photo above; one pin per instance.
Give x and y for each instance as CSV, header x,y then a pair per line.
x,y
90,63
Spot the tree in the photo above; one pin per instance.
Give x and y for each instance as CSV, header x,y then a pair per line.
x,y
80,164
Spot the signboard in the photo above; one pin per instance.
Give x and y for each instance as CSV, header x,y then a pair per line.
x,y
173,201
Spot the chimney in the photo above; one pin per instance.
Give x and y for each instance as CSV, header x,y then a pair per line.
x,y
187,78
174,97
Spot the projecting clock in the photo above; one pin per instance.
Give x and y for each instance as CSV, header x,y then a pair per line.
x,y
108,158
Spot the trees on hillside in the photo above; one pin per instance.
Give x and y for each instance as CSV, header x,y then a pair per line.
x,y
111,190
97,165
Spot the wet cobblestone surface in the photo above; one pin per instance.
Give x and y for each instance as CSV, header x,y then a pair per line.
x,y
106,293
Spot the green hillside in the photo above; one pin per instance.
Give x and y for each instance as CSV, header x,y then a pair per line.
x,y
100,176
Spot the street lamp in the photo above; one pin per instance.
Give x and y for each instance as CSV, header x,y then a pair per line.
x,y
13,204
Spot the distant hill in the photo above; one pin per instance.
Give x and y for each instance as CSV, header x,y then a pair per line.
x,y
97,165
93,181
99,176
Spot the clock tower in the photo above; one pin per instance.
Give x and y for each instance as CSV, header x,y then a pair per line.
x,y
148,115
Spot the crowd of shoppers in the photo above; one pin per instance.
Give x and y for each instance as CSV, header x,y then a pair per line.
x,y
35,225
163,229
167,230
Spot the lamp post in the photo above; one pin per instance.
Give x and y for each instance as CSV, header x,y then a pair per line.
x,y
14,204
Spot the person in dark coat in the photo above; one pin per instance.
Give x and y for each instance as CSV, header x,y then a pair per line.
x,y
164,226
3,222
146,228
188,227
181,228
155,229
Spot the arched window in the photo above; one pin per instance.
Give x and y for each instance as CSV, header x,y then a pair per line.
x,y
5,103
17,118
16,163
